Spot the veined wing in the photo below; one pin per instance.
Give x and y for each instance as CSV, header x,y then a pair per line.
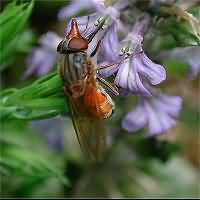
x,y
90,131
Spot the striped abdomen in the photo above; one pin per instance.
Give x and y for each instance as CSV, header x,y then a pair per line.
x,y
98,103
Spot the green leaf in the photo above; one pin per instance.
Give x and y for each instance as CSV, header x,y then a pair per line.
x,y
24,154
180,31
177,178
171,32
42,99
196,12
175,67
12,22
25,41
190,117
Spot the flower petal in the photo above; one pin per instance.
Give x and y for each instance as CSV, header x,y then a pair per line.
x,y
137,72
50,40
110,44
72,9
158,113
135,120
40,61
158,121
121,78
153,72
162,112
128,78
169,104
43,58
135,82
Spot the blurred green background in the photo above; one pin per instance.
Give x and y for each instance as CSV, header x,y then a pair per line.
x,y
166,166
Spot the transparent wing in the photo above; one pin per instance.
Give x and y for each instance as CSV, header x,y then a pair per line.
x,y
91,132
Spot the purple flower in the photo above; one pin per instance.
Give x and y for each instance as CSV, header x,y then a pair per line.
x,y
77,5
101,6
187,55
110,45
42,59
135,70
157,113
88,25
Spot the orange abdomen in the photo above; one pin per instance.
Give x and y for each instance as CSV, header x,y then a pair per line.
x,y
97,103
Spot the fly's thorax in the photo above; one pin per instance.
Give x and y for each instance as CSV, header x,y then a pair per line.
x,y
74,67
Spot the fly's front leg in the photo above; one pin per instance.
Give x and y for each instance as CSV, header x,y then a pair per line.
x,y
98,28
96,49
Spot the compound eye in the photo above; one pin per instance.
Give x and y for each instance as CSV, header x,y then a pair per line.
x,y
59,47
78,44
62,47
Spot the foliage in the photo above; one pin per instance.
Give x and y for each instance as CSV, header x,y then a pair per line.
x,y
42,99
27,158
12,21
173,31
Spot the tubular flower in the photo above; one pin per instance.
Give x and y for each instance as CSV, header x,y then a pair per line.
x,y
135,70
76,6
157,113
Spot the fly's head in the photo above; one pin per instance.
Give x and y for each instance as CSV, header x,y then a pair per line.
x,y
74,41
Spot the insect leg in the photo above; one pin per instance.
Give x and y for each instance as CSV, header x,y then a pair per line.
x,y
108,65
96,49
112,88
111,64
93,34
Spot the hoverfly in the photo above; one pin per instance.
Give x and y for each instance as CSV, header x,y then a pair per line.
x,y
88,101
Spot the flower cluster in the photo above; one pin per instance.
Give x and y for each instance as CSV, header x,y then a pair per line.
x,y
122,56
